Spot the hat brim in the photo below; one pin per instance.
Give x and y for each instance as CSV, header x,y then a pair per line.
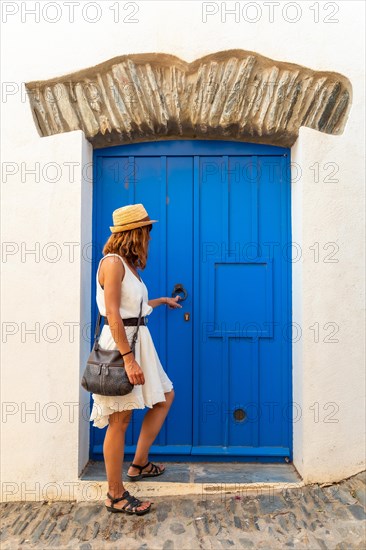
x,y
127,227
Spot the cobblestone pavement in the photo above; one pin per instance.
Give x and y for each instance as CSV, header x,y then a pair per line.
x,y
311,517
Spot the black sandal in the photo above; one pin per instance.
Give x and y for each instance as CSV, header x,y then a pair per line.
x,y
154,471
133,502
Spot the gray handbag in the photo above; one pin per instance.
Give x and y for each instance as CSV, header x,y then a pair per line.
x,y
105,372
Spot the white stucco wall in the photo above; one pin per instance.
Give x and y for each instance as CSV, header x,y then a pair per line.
x,y
37,451
328,305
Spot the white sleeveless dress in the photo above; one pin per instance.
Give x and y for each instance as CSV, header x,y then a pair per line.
x,y
157,381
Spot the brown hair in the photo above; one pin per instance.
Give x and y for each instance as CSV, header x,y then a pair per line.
x,y
131,245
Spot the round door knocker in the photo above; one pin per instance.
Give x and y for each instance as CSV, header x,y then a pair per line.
x,y
179,289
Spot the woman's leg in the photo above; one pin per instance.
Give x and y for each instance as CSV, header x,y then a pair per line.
x,y
113,451
151,425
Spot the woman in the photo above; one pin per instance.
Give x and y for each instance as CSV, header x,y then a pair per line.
x,y
119,293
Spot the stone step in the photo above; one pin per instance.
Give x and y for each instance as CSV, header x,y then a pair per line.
x,y
205,478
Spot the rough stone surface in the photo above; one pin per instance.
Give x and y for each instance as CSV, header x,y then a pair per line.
x,y
317,518
234,95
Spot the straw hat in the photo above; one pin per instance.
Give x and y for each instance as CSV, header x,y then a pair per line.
x,y
129,217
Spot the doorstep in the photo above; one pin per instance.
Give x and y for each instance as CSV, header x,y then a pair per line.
x,y
197,478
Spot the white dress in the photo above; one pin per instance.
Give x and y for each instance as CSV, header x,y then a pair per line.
x,y
157,381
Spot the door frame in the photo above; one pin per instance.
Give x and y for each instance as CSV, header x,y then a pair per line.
x,y
196,148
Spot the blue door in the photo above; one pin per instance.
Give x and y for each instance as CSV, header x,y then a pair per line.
x,y
223,241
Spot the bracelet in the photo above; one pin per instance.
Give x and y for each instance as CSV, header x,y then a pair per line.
x,y
123,354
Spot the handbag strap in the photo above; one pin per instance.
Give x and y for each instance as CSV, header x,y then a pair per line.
x,y
97,327
134,338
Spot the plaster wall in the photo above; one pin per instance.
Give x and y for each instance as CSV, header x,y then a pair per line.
x,y
42,453
328,305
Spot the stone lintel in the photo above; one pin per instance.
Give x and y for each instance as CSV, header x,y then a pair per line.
x,y
234,95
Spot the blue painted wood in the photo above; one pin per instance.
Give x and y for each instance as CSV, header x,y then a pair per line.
x,y
188,450
191,148
196,301
177,454
224,224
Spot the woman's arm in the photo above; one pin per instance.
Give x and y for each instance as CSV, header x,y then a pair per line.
x,y
157,302
171,302
113,274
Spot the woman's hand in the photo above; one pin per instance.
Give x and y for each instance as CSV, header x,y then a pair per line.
x,y
172,302
165,300
134,371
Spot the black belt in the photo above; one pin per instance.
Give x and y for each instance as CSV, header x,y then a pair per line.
x,y
130,322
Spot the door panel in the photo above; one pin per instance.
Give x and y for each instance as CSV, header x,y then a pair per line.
x,y
243,371
224,222
179,335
